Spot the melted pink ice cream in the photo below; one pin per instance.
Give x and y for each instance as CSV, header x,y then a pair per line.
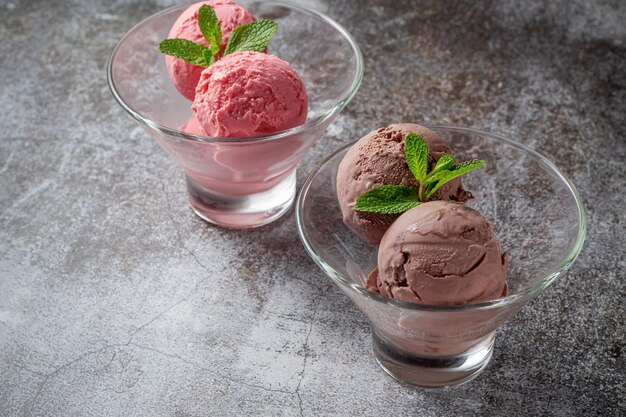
x,y
249,94
185,76
193,127
241,168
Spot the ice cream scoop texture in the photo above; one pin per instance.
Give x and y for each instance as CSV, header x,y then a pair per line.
x,y
248,94
442,253
230,15
379,159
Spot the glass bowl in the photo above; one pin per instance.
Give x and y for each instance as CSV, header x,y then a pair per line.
x,y
239,182
538,217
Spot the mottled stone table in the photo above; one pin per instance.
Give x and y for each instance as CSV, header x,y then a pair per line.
x,y
116,300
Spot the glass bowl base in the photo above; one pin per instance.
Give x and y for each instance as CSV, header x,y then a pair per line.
x,y
433,372
244,211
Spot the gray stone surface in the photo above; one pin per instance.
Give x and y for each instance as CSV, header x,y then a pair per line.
x,y
116,300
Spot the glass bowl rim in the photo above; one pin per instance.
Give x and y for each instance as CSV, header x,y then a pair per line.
x,y
525,295
309,124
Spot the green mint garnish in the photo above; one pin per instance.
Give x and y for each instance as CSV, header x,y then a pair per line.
x,y
396,199
437,179
416,154
186,50
251,37
210,28
387,199
444,163
209,59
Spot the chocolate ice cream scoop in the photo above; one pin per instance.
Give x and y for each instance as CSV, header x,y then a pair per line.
x,y
440,252
379,159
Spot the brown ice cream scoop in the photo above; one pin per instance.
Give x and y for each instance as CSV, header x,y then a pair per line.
x,y
440,252
378,159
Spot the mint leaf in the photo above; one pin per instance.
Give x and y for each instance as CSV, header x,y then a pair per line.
x,y
208,57
444,163
251,37
435,181
416,154
387,199
185,50
210,28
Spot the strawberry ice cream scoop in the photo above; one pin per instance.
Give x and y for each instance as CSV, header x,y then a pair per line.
x,y
184,75
247,94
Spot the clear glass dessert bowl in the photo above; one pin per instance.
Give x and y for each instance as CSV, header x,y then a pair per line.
x,y
239,182
538,217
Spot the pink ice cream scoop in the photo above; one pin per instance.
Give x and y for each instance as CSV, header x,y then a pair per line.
x,y
184,75
249,94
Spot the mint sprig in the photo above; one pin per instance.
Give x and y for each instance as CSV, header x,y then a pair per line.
x,y
444,163
251,37
254,36
396,199
387,199
416,154
210,28
191,52
437,179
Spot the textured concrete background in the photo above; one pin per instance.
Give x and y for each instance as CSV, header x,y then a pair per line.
x,y
116,300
